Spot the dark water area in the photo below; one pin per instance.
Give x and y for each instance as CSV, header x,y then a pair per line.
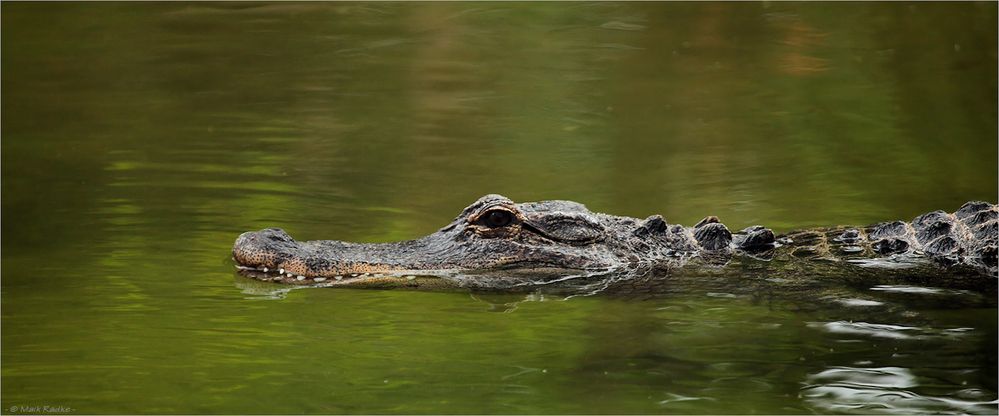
x,y
138,140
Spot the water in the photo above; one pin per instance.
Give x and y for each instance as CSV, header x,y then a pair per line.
x,y
140,139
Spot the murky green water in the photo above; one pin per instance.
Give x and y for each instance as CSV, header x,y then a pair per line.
x,y
138,140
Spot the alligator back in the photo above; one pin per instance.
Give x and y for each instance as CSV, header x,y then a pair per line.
x,y
966,238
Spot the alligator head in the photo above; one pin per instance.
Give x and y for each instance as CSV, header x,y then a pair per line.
x,y
494,233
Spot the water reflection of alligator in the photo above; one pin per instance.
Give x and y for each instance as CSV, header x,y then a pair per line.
x,y
498,244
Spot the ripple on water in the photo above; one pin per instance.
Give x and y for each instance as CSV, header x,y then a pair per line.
x,y
868,329
859,302
887,330
909,289
721,295
883,390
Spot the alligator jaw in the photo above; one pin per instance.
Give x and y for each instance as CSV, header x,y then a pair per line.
x,y
271,254
392,279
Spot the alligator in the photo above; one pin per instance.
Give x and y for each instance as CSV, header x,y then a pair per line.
x,y
497,244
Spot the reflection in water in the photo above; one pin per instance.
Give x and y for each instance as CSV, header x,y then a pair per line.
x,y
799,38
139,140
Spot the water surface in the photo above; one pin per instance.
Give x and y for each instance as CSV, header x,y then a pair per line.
x,y
138,140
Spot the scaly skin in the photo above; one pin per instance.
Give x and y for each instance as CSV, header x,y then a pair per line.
x,y
496,243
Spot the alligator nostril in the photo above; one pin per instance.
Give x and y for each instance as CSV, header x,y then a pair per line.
x,y
274,234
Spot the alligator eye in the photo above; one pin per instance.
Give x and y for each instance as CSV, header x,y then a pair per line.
x,y
497,218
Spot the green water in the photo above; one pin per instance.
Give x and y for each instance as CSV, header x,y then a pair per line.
x,y
138,140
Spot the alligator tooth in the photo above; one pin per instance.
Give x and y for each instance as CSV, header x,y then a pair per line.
x,y
300,277
338,277
410,277
290,275
265,269
320,279
281,271
353,275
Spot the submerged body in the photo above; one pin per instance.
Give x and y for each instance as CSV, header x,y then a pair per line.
x,y
496,243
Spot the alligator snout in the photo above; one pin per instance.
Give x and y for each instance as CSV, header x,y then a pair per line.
x,y
264,248
273,251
